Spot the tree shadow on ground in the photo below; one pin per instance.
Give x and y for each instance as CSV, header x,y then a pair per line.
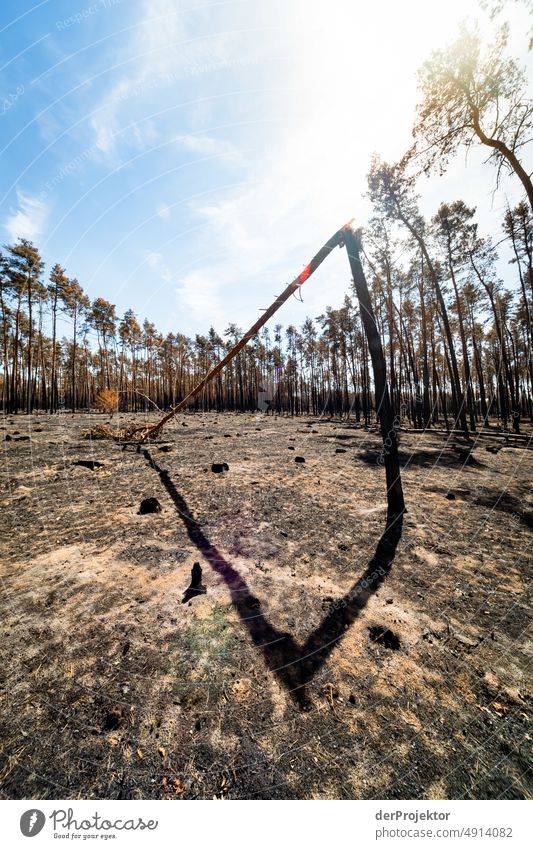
x,y
294,665
504,502
425,458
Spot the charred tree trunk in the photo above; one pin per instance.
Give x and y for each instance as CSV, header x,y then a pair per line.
x,y
395,499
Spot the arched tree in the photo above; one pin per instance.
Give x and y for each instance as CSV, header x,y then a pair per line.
x,y
474,98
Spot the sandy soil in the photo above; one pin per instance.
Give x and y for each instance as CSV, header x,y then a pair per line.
x,y
320,663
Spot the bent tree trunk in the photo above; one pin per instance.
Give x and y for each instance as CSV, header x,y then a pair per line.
x,y
336,241
344,236
505,152
395,500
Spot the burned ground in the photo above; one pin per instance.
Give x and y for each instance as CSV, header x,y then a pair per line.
x,y
324,660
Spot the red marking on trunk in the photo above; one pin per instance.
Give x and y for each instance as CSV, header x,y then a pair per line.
x,y
305,274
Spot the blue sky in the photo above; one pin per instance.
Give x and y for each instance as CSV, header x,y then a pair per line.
x,y
187,158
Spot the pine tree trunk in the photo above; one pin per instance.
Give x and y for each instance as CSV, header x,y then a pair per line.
x,y
395,499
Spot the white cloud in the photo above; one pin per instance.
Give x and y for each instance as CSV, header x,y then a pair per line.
x,y
206,145
199,293
29,219
153,259
163,211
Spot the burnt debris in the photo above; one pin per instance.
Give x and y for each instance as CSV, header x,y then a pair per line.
x,y
149,505
219,468
195,587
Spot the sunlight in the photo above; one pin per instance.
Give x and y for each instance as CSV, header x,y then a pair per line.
x,y
348,89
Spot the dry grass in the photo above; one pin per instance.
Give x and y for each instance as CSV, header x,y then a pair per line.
x,y
99,431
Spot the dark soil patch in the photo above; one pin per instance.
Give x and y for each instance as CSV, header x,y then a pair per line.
x,y
385,637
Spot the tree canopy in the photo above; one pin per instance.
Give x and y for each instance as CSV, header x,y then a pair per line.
x,y
474,97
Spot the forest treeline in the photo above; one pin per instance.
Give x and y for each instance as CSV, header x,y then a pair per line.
x,y
457,339
321,367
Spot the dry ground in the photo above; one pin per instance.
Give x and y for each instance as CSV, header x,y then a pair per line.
x,y
287,679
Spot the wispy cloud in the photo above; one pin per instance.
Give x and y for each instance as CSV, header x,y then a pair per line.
x,y
153,259
28,220
207,145
163,211
165,48
200,294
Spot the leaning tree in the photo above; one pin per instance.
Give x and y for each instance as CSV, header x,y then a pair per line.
x,y
469,98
